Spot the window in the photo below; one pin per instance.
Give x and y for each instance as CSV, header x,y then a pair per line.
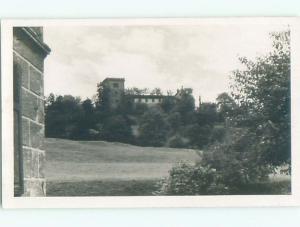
x,y
115,85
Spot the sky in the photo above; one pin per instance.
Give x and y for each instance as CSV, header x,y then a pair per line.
x,y
200,57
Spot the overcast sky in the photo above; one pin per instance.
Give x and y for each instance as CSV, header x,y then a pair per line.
x,y
200,57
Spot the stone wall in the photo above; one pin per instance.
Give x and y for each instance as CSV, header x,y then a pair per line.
x,y
29,52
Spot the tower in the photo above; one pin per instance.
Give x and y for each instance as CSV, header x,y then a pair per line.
x,y
114,89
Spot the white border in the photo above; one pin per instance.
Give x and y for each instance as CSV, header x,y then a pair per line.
x,y
9,201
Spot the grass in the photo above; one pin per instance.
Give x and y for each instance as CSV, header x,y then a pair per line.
x,y
102,188
87,168
267,188
82,168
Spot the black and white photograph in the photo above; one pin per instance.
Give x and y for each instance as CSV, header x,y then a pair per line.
x,y
149,109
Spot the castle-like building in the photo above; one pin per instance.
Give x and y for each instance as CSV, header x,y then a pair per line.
x,y
116,89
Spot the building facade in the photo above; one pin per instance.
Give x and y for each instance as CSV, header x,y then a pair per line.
x,y
29,52
114,88
150,100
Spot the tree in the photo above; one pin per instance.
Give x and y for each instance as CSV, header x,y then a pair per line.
x,y
185,104
169,93
102,102
50,99
136,91
117,128
153,128
87,121
168,104
262,91
156,91
225,106
207,114
62,116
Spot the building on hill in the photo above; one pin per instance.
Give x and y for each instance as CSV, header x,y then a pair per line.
x,y
183,91
115,91
150,100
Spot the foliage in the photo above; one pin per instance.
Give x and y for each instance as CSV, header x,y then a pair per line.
x,y
225,106
156,91
254,134
262,92
102,97
236,159
185,179
116,128
207,114
199,136
168,104
217,133
185,104
174,120
62,115
153,128
136,91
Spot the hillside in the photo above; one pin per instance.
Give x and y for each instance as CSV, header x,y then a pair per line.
x,y
99,160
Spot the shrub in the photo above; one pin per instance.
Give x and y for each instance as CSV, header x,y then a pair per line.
x,y
217,133
237,160
185,179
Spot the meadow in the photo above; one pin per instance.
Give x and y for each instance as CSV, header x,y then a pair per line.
x,y
99,168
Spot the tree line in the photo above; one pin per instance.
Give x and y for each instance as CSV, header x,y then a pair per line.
x,y
175,122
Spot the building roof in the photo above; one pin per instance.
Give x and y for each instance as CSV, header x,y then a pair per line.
x,y
150,96
113,79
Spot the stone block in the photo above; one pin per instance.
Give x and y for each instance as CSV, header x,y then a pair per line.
x,y
25,132
40,111
42,162
21,71
34,163
24,46
29,105
27,187
27,162
36,136
37,188
36,81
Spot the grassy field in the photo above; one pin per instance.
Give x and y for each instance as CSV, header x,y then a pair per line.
x,y
82,168
86,168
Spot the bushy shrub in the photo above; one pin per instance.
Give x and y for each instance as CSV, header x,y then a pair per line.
x,y
238,161
186,179
217,133
226,168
